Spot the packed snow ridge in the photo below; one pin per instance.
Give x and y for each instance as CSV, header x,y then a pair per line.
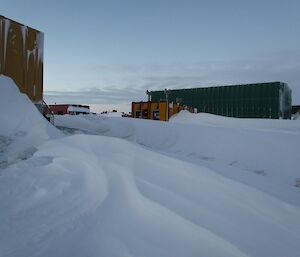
x,y
199,185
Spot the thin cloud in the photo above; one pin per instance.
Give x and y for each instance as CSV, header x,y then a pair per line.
x,y
125,84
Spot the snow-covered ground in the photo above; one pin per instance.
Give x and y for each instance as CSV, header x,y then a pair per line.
x,y
112,114
199,185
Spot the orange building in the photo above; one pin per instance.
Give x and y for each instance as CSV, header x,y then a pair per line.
x,y
21,57
161,110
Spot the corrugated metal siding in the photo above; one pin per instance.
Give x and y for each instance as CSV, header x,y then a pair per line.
x,y
21,57
261,100
160,110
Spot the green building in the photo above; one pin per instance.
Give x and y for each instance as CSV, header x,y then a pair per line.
x,y
263,100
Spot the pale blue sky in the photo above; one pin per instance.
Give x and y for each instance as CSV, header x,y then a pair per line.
x,y
109,52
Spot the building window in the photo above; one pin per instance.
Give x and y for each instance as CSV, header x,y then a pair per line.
x,y
138,114
145,114
155,114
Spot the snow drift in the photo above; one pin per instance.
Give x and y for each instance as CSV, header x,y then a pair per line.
x,y
134,188
22,127
261,153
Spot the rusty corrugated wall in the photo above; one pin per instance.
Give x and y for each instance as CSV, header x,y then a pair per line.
x,y
21,57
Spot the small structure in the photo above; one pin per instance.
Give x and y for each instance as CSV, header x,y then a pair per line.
x,y
157,110
72,109
21,57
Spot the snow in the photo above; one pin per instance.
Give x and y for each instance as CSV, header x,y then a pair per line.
x,y
255,152
22,127
112,114
78,109
199,185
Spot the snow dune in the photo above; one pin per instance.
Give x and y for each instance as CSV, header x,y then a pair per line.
x,y
22,127
261,153
123,187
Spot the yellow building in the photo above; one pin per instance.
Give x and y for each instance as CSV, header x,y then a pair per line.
x,y
21,57
161,110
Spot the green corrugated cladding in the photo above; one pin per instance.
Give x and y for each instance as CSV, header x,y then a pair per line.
x,y
263,100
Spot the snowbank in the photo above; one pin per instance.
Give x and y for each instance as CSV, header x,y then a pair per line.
x,y
185,117
100,196
22,128
112,114
260,153
144,188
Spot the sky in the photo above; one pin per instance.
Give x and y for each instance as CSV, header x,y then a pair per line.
x,y
108,53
